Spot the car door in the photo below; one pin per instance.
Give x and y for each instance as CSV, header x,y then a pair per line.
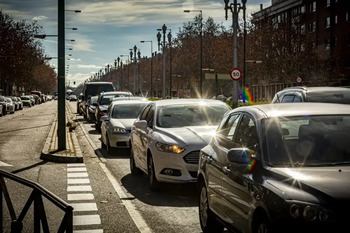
x,y
105,125
146,136
236,179
136,137
216,160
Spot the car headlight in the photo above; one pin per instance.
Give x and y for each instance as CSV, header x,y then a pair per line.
x,y
119,130
310,212
169,148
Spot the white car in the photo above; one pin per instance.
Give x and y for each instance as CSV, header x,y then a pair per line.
x,y
116,124
167,136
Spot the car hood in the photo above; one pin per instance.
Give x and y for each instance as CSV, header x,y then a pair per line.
x,y
126,123
103,107
196,135
328,181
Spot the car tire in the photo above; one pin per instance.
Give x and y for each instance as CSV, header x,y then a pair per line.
x,y
261,225
153,182
103,145
109,149
134,170
208,221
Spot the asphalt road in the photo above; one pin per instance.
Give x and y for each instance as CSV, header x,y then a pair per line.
x,y
172,209
124,203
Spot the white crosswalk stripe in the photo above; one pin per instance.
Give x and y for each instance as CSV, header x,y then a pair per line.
x,y
80,197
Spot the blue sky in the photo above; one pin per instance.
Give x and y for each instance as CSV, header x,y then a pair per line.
x,y
109,28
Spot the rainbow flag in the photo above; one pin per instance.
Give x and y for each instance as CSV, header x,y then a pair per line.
x,y
247,95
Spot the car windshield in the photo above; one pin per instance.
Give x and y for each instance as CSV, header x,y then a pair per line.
x,y
106,99
342,97
172,116
93,99
307,141
127,111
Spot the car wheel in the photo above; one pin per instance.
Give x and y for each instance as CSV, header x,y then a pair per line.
x,y
261,225
208,222
153,182
134,170
108,146
103,145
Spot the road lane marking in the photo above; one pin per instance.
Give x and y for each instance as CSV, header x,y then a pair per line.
x,y
77,175
78,181
93,219
2,164
76,169
79,188
80,196
135,215
84,207
89,231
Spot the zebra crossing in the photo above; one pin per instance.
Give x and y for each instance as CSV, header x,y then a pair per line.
x,y
81,198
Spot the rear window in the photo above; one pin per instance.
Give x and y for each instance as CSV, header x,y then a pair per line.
x,y
95,89
342,97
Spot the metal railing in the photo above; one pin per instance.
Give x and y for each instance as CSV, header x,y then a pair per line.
x,y
35,199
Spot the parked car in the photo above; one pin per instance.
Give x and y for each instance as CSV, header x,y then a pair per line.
x,y
103,101
91,106
20,102
313,94
15,102
117,123
91,89
27,101
3,105
167,136
277,168
32,99
72,98
10,106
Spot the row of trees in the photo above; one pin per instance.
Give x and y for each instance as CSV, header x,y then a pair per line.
x,y
22,63
282,49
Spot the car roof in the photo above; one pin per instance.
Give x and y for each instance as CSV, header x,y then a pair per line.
x,y
317,89
188,101
114,92
296,109
134,101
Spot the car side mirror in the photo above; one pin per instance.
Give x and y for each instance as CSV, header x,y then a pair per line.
x,y
142,124
104,118
239,155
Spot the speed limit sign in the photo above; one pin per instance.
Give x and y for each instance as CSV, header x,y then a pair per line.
x,y
235,74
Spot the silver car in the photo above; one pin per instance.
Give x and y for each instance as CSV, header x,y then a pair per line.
x,y
117,123
167,136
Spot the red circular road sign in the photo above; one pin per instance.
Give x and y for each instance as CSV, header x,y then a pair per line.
x,y
235,74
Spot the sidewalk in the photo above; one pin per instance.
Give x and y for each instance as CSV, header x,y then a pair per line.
x,y
72,154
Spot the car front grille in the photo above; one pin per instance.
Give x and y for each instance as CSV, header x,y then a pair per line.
x,y
192,158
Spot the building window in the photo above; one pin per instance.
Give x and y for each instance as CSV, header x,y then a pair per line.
x,y
335,19
327,43
328,22
347,16
347,39
328,3
312,26
302,9
302,29
334,41
313,6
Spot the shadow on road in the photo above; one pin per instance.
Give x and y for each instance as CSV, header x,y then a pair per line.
x,y
177,195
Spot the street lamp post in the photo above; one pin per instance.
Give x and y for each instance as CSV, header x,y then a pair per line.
x,y
143,41
135,60
164,28
201,49
170,65
123,55
234,8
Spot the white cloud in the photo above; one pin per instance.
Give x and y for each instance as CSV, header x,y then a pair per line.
x,y
39,18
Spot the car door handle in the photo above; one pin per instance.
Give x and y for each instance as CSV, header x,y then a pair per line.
x,y
226,170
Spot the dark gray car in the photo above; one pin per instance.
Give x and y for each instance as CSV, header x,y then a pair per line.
x,y
277,168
